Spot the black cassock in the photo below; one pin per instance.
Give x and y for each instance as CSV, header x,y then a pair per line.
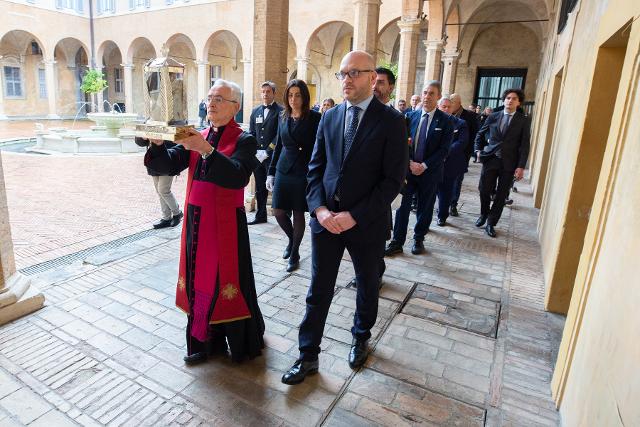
x,y
245,336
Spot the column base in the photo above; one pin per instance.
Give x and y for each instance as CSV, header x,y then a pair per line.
x,y
19,298
53,117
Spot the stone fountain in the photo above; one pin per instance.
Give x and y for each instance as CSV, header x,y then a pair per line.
x,y
109,135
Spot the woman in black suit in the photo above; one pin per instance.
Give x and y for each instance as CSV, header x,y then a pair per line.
x,y
287,178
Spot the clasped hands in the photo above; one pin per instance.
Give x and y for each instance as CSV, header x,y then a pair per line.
x,y
334,222
194,142
416,168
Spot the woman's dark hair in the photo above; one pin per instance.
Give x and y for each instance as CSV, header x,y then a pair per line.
x,y
306,98
518,92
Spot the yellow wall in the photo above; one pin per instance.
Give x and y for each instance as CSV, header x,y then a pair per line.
x,y
597,376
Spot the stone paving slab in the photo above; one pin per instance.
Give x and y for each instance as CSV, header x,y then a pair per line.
x,y
473,314
373,398
441,358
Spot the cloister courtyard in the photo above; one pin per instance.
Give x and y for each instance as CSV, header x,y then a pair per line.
x,y
462,337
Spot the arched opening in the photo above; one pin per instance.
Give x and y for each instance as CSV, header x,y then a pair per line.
x,y
223,55
23,74
140,51
325,49
71,64
110,57
182,49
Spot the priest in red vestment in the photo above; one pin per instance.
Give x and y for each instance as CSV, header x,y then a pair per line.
x,y
216,287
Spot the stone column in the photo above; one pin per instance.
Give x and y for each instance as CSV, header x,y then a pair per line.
x,y
270,41
203,79
2,114
409,36
450,60
247,90
365,28
434,55
303,64
52,89
17,297
128,88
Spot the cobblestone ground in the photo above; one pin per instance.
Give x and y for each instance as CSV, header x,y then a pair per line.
x,y
461,339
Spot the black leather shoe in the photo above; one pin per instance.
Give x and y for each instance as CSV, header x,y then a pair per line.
x,y
163,223
257,220
508,202
196,358
491,232
287,251
393,248
418,247
176,219
482,220
294,263
297,373
453,211
358,354
441,222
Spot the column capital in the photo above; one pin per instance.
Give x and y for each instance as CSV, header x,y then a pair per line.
x,y
409,25
451,55
433,44
199,62
302,59
128,65
49,61
374,2
246,60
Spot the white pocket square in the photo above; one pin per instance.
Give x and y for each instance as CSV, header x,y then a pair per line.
x,y
438,129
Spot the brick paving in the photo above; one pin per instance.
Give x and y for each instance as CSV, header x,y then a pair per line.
x,y
461,337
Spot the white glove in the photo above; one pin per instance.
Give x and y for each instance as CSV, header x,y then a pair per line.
x,y
261,155
269,182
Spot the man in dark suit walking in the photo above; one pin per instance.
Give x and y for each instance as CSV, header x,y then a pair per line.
x,y
356,170
432,132
473,124
263,124
502,146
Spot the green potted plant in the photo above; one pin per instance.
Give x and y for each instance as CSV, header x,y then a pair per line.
x,y
93,82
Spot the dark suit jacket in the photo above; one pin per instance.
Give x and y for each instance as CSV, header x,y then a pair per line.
x,y
293,148
473,125
372,173
439,137
265,132
457,159
512,146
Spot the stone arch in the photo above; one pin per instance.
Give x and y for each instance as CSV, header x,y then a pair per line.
x,y
182,48
388,42
452,29
140,46
109,56
494,10
223,56
324,48
139,51
18,42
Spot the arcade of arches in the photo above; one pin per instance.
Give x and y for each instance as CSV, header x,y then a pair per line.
x,y
576,59
427,40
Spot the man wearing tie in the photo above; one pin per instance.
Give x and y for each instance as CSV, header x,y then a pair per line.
x,y
263,125
356,170
432,132
502,146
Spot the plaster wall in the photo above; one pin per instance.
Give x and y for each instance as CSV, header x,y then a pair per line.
x,y
518,48
596,379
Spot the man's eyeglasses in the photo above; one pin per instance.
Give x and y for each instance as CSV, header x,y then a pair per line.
x,y
218,100
340,75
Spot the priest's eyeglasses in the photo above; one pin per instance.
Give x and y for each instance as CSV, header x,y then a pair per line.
x,y
218,100
341,75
